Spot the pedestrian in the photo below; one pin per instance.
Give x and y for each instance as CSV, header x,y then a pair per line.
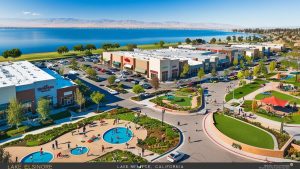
x,y
56,144
178,123
127,145
53,146
41,151
16,159
189,138
103,149
69,146
143,151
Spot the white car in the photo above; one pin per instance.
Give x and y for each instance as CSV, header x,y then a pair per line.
x,y
111,91
117,81
175,156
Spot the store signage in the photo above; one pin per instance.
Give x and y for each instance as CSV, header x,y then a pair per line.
x,y
45,88
127,60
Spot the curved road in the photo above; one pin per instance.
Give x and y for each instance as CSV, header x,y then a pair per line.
x,y
201,148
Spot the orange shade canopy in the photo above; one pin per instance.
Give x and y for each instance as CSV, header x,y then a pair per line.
x,y
275,101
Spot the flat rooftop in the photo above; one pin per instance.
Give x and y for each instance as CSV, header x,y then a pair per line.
x,y
171,54
21,73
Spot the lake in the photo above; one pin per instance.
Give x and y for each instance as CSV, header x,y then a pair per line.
x,y
31,40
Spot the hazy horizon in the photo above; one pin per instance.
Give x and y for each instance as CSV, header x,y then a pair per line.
x,y
251,13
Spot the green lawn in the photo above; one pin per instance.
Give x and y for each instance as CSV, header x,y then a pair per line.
x,y
279,95
245,90
243,132
180,101
120,156
55,55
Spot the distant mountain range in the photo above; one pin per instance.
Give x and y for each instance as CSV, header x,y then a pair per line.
x,y
106,23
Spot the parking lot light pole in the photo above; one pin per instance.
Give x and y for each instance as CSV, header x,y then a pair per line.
x,y
162,116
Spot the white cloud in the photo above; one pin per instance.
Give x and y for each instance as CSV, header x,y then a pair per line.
x,y
31,13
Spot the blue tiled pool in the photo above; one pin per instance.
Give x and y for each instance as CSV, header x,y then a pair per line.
x,y
118,135
61,82
37,157
79,150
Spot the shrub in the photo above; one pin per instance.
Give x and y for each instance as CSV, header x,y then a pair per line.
x,y
20,130
237,146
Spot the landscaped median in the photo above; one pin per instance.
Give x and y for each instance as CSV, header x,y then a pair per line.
x,y
183,100
246,136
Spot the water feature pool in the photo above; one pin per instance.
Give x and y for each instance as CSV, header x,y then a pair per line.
x,y
37,157
79,150
118,135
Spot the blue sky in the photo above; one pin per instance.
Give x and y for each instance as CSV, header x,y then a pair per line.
x,y
248,13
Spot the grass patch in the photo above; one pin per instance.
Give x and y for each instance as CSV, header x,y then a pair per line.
x,y
245,90
279,95
243,132
54,55
121,157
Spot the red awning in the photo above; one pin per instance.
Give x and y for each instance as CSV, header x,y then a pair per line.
x,y
275,101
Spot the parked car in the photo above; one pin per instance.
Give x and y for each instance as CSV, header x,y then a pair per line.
x,y
117,80
134,82
146,86
175,157
111,91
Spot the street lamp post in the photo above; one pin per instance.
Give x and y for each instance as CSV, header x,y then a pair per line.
x,y
162,116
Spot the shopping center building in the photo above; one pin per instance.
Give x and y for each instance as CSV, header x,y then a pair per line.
x,y
27,83
166,64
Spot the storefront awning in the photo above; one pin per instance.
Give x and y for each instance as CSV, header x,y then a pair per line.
x,y
140,70
129,66
116,64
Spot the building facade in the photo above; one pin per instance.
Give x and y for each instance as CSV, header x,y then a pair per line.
x,y
27,83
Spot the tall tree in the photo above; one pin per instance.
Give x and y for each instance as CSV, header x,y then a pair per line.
x,y
213,40
91,72
161,43
254,106
43,108
256,70
79,98
214,72
90,47
272,66
111,79
74,64
185,70
188,40
78,48
228,38
138,89
14,113
130,47
235,61
155,82
201,73
62,49
97,97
